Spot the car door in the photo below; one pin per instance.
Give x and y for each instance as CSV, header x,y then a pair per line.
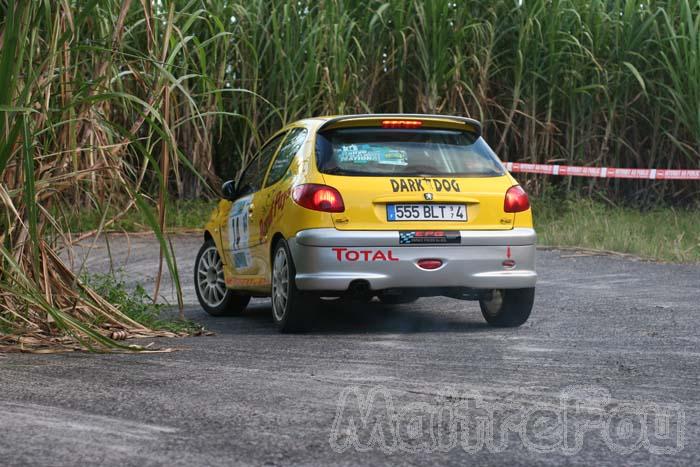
x,y
275,195
241,232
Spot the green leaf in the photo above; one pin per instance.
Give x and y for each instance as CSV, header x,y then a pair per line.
x,y
637,75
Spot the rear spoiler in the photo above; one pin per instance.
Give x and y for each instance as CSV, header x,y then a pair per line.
x,y
429,121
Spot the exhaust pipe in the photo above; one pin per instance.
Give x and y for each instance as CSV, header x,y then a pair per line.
x,y
358,290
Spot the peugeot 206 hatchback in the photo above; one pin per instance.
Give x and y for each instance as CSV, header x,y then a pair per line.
x,y
389,206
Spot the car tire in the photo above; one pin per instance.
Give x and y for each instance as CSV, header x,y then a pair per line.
x,y
507,307
398,299
290,306
212,293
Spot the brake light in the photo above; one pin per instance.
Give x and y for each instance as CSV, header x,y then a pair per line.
x,y
318,197
402,123
516,200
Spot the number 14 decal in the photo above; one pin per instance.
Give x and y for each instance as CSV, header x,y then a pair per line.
x,y
238,224
238,233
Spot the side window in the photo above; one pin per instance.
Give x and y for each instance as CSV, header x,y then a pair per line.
x,y
292,143
252,178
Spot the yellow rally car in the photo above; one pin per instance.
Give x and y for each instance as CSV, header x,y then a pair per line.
x,y
389,206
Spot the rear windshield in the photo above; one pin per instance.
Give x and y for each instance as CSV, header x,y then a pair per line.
x,y
381,152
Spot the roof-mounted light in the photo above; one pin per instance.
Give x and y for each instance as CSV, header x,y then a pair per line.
x,y
408,124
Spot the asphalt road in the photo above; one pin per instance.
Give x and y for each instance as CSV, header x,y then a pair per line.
x,y
606,372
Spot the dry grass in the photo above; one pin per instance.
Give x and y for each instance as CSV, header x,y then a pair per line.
x,y
82,113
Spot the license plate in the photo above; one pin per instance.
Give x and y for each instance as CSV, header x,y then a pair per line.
x,y
426,212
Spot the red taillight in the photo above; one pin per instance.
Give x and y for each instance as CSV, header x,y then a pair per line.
x,y
402,123
516,200
318,197
429,264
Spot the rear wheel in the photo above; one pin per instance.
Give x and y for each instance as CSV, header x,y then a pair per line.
x,y
212,293
289,305
507,307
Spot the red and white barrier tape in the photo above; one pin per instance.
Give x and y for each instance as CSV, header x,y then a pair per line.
x,y
603,172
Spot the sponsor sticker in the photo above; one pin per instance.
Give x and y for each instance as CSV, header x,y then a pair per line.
x,y
246,282
400,185
371,255
416,237
273,210
371,153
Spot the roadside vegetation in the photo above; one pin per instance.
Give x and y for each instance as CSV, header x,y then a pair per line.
x,y
105,105
135,303
182,215
662,233
113,112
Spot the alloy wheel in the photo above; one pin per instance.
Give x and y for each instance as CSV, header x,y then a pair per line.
x,y
280,284
494,303
210,278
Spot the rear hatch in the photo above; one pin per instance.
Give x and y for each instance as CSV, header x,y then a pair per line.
x,y
417,174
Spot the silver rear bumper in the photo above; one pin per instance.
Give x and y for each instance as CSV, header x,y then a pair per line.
x,y
330,259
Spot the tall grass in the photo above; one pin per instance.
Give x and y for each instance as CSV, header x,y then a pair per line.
x,y
592,82
102,103
110,105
